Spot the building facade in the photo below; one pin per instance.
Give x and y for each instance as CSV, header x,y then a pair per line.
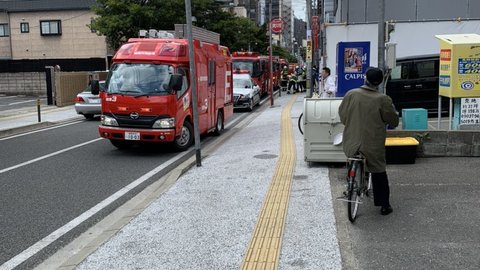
x,y
365,11
50,32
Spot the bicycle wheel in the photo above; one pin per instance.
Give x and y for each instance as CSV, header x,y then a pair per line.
x,y
354,191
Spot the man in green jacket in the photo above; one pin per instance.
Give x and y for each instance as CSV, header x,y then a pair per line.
x,y
365,112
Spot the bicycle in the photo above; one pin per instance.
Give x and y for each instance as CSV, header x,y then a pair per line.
x,y
357,187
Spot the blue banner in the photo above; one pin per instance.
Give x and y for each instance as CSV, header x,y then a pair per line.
x,y
353,58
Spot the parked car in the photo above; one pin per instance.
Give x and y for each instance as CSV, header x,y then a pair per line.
x,y
87,103
413,83
246,93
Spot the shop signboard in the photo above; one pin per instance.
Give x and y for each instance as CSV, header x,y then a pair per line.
x,y
459,74
353,58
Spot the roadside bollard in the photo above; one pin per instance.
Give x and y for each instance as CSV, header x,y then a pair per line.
x,y
38,110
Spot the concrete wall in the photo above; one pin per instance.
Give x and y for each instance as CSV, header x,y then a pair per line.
x,y
67,84
441,143
23,83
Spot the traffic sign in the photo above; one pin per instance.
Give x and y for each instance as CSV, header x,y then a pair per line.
x,y
276,25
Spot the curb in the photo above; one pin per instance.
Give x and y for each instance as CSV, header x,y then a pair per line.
x,y
73,254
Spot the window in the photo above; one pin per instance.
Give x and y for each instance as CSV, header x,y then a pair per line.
x,y
50,28
426,69
184,72
24,28
211,72
4,30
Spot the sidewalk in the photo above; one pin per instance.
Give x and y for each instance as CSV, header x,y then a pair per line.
x,y
207,218
19,120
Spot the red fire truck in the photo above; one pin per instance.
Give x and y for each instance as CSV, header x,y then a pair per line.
x,y
148,95
256,65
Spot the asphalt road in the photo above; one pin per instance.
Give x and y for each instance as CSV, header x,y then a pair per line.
x,y
42,196
50,179
16,102
435,222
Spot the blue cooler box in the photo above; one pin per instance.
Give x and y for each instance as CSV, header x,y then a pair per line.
x,y
415,119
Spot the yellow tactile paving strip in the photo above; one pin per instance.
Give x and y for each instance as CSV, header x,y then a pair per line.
x,y
264,248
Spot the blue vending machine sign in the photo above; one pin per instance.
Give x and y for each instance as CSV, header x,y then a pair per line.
x,y
353,59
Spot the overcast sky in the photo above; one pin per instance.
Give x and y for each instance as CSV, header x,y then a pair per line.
x,y
299,8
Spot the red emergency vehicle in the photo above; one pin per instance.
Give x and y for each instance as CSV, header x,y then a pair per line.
x,y
148,96
256,65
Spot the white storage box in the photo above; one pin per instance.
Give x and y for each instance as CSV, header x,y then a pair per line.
x,y
321,124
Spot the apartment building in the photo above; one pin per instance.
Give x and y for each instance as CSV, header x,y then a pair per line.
x,y
39,33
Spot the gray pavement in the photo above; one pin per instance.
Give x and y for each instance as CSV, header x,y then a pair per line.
x,y
27,118
205,216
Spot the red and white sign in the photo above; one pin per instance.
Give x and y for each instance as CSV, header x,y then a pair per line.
x,y
276,26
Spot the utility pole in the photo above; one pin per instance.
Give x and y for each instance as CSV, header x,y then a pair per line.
x,y
309,40
270,84
193,80
381,42
323,42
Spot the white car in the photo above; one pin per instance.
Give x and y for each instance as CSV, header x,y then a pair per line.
x,y
246,93
88,104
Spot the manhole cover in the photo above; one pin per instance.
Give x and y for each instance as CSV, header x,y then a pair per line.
x,y
265,156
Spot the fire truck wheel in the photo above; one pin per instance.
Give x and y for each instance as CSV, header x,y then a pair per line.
x,y
219,125
121,144
88,116
185,140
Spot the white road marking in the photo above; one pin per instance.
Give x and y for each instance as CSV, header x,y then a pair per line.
x,y
47,156
37,247
43,129
20,102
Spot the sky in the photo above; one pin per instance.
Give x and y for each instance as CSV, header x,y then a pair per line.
x,y
298,7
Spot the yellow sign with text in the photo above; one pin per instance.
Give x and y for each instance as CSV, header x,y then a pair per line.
x,y
309,51
459,71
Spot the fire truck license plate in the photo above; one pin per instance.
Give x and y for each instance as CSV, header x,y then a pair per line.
x,y
133,136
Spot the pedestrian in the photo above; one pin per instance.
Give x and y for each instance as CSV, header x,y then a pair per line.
x,y
328,88
292,83
314,76
365,112
284,78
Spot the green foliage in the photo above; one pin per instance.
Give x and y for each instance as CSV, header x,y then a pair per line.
x,y
119,20
239,34
283,53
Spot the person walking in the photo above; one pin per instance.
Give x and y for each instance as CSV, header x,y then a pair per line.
x,y
365,112
328,88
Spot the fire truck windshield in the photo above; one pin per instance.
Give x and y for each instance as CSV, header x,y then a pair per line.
x,y
252,66
139,79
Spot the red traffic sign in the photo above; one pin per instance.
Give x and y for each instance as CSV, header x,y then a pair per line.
x,y
276,25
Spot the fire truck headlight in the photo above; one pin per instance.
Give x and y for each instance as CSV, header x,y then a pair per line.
x,y
108,121
164,123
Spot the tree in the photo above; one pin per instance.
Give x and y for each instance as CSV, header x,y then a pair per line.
x,y
119,20
283,53
240,34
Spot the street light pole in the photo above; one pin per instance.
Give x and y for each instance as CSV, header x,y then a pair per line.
x,y
381,42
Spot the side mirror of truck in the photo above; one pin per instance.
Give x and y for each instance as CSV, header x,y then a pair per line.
x,y
95,87
176,82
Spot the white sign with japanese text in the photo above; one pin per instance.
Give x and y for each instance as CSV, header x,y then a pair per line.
x,y
470,111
